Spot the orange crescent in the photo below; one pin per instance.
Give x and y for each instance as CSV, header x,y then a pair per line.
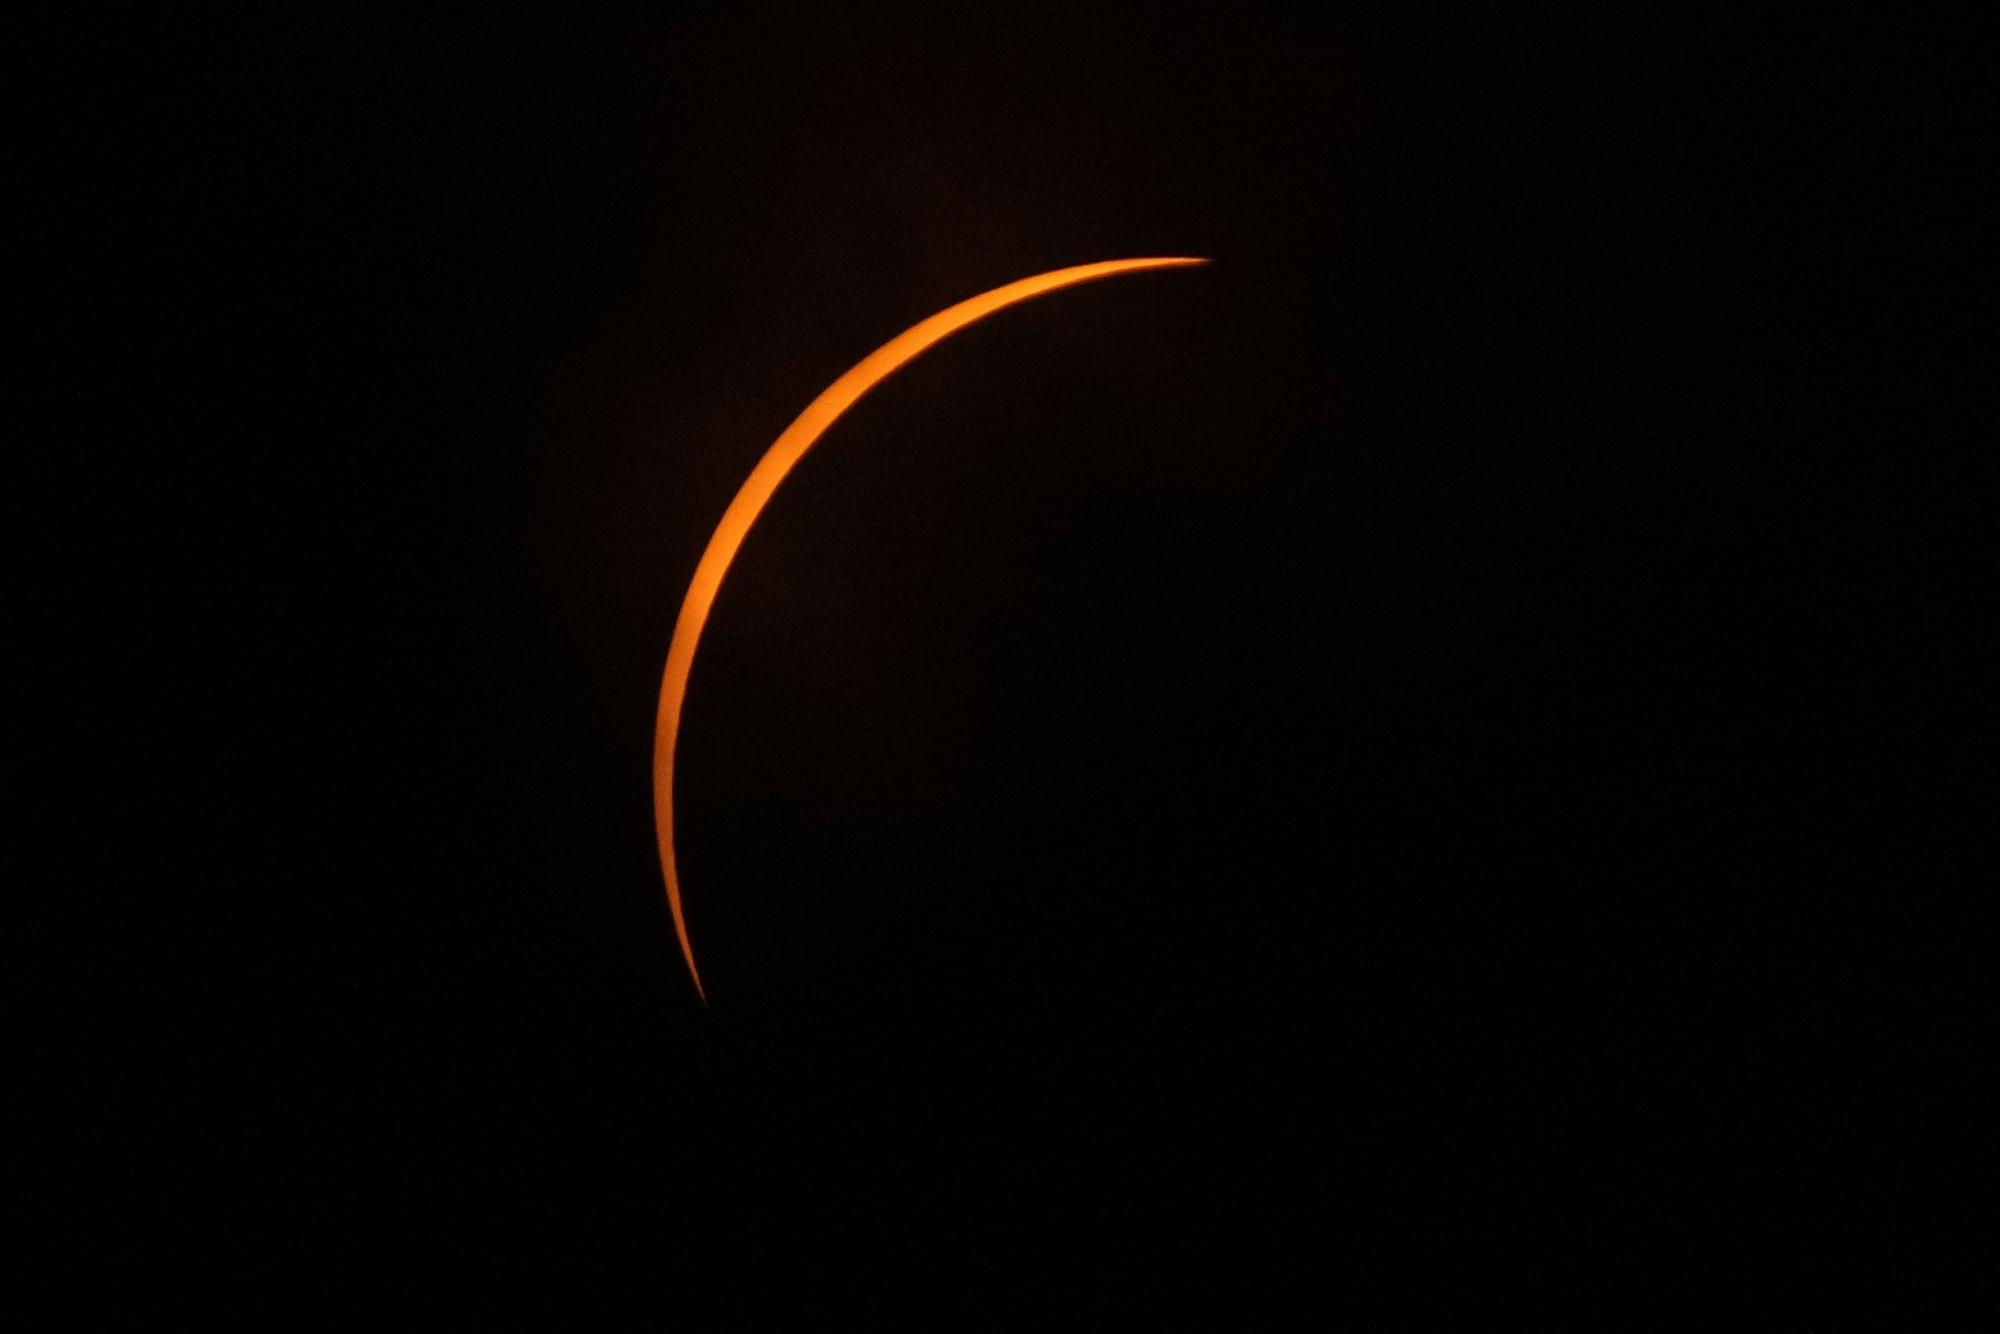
x,y
756,492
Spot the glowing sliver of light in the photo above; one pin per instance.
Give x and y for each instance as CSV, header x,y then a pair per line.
x,y
756,492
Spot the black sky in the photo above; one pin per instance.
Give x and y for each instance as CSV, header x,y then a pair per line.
x,y
1448,728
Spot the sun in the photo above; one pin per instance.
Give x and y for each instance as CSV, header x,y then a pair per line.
x,y
756,492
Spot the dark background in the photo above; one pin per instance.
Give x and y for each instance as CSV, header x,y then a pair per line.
x,y
1446,735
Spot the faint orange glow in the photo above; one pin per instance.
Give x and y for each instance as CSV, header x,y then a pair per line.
x,y
756,492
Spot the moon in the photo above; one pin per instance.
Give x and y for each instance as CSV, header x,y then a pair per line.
x,y
762,483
